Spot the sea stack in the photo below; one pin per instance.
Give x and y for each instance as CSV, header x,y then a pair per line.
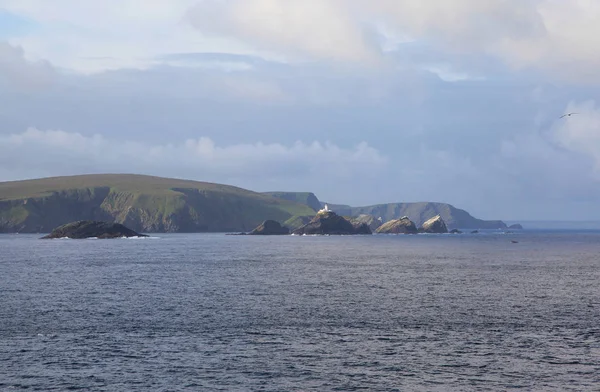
x,y
398,226
435,225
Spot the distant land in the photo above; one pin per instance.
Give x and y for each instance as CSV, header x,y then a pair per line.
x,y
155,204
559,225
419,213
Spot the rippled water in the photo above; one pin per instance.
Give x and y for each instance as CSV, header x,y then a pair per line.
x,y
215,312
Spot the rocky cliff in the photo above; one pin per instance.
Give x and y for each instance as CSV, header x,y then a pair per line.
x,y
142,203
307,198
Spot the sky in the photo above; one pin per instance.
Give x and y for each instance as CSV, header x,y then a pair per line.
x,y
359,101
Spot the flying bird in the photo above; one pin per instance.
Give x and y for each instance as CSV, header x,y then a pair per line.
x,y
567,115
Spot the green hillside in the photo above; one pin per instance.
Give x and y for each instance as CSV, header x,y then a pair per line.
x,y
306,198
143,203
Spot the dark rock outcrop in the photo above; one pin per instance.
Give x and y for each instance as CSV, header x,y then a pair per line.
x,y
455,231
398,226
435,225
515,227
328,222
270,227
369,220
92,229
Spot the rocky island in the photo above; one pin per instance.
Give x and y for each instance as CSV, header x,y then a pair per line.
x,y
92,229
328,222
435,225
270,227
398,226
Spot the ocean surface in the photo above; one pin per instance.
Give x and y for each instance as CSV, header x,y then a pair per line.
x,y
240,313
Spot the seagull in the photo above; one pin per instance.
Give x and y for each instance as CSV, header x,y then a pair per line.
x,y
567,115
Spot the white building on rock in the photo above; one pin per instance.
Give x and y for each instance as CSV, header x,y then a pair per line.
x,y
325,209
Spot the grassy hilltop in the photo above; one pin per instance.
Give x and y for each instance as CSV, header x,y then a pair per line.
x,y
143,203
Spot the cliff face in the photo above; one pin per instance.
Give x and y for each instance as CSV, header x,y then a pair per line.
x,y
307,198
419,213
42,214
144,204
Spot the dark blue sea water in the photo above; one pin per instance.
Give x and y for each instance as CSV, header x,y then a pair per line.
x,y
376,313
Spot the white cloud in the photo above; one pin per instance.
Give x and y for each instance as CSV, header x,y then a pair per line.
x,y
60,152
560,37
556,36
15,69
91,37
316,28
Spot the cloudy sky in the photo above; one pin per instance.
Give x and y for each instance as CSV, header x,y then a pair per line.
x,y
359,101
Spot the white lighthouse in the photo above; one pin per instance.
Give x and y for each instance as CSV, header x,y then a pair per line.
x,y
325,209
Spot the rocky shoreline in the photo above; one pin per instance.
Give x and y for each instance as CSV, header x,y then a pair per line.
x,y
329,223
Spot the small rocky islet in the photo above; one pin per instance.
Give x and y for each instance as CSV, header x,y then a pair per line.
x,y
270,227
92,229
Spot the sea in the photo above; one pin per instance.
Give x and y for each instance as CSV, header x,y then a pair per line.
x,y
493,311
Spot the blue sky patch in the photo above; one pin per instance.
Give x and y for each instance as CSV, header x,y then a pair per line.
x,y
12,25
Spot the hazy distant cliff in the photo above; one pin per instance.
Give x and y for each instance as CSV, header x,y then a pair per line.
x,y
143,203
421,212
